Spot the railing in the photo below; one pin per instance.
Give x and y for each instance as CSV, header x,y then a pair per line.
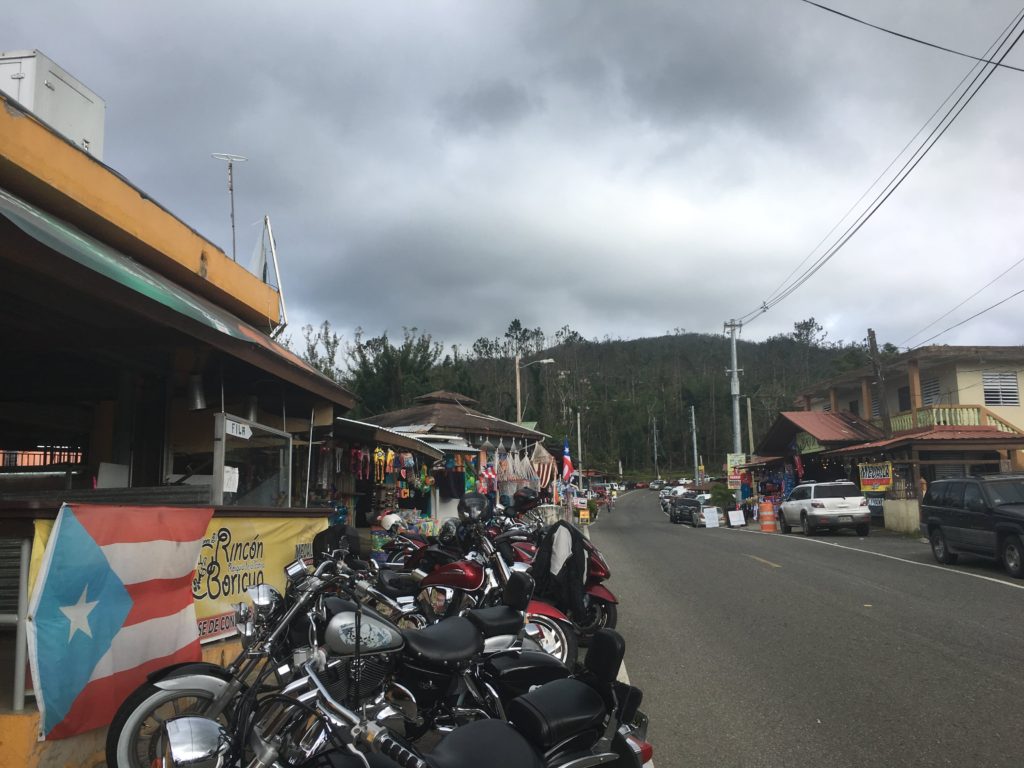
x,y
44,457
950,416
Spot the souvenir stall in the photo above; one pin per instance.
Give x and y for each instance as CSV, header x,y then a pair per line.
x,y
361,472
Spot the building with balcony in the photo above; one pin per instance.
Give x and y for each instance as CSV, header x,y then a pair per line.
x,y
934,412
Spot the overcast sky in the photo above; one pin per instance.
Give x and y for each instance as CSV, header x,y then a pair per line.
x,y
625,168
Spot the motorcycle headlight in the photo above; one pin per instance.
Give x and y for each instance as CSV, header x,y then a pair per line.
x,y
267,603
195,742
244,623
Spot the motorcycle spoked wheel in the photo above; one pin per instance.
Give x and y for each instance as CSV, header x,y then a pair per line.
x,y
599,615
133,738
558,638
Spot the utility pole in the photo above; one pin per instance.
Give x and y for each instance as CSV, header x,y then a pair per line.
x,y
693,429
732,327
750,428
657,472
579,444
883,403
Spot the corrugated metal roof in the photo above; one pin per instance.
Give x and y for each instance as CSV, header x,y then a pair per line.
x,y
828,427
941,434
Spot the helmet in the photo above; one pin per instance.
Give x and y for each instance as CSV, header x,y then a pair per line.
x,y
448,533
474,507
525,498
388,522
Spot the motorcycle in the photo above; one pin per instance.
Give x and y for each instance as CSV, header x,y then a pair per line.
x,y
435,678
519,543
441,586
589,720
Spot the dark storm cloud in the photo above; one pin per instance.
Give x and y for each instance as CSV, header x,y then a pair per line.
x,y
487,106
620,167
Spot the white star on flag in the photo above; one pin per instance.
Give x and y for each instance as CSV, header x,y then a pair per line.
x,y
78,615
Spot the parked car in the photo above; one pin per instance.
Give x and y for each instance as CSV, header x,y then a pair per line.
x,y
825,506
982,515
665,497
656,485
638,484
686,509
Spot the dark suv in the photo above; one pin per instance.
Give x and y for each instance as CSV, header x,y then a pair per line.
x,y
981,515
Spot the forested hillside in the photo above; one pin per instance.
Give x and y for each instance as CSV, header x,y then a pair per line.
x,y
622,390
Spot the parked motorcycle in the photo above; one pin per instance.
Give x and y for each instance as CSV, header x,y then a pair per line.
x,y
441,586
580,722
435,678
519,543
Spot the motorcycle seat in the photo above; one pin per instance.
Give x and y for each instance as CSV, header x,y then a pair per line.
x,y
499,620
451,641
556,711
493,743
396,584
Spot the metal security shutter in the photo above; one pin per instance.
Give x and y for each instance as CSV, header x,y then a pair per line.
x,y
1000,387
949,471
10,560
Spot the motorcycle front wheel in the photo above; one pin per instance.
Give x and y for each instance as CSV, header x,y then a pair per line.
x,y
600,615
134,736
558,638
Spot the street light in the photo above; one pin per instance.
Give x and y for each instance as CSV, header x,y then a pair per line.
x,y
519,402
231,160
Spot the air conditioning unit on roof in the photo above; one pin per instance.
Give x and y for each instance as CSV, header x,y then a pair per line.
x,y
55,97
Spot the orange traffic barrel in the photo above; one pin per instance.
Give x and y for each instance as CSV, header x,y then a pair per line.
x,y
766,516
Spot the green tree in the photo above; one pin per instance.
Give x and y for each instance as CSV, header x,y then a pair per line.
x,y
386,377
321,349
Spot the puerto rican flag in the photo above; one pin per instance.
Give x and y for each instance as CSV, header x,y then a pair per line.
x,y
112,603
567,468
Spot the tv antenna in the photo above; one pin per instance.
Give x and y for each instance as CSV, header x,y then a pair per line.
x,y
231,160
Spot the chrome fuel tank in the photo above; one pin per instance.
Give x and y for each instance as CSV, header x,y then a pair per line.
x,y
375,635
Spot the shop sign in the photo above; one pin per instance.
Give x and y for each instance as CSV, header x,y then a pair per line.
x,y
807,443
875,477
580,502
584,516
237,429
238,553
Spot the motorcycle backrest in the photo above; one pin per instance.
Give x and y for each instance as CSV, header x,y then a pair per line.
x,y
604,655
518,591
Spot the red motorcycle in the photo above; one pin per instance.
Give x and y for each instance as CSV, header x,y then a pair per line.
x,y
518,542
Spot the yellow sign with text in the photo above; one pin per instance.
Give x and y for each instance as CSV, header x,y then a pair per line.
x,y
243,552
875,477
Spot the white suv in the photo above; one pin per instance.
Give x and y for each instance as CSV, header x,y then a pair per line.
x,y
818,506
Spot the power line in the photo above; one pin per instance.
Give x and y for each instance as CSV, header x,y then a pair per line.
x,y
911,38
967,320
937,132
864,194
954,309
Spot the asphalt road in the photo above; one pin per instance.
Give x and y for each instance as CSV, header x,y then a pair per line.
x,y
758,649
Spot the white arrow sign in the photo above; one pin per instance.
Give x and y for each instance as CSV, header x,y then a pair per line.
x,y
237,429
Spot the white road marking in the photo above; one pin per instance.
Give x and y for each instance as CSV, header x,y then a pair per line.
x,y
943,568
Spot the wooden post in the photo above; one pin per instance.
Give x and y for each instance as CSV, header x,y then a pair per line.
x,y
914,377
865,398
833,399
883,402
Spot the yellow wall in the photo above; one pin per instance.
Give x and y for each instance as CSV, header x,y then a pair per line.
x,y
45,169
968,382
